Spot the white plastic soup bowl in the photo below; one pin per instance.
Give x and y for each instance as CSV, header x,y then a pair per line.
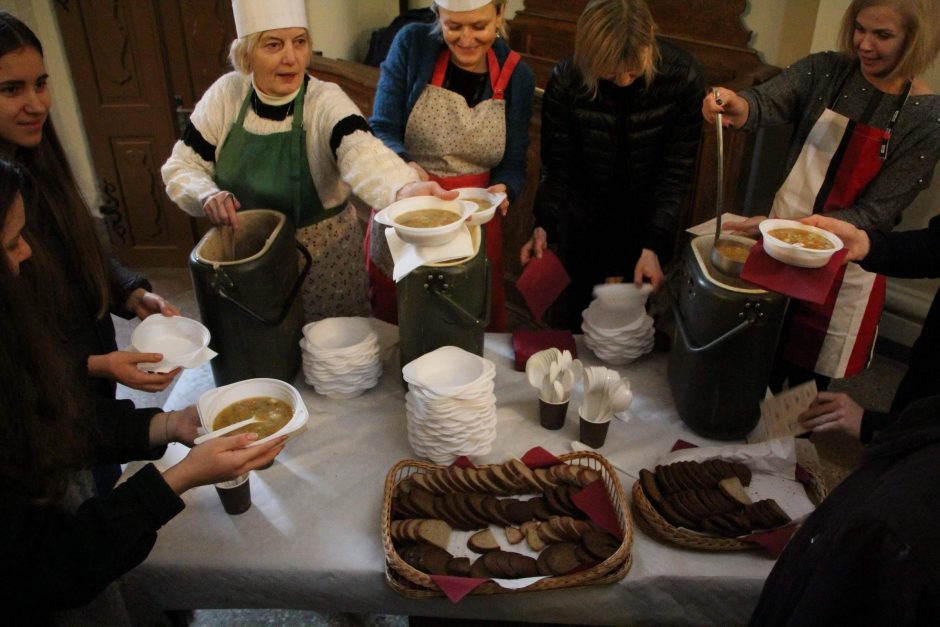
x,y
430,236
212,402
793,254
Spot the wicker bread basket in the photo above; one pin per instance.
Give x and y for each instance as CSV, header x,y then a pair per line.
x,y
410,582
655,525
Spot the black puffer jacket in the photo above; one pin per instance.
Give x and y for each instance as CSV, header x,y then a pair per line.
x,y
616,169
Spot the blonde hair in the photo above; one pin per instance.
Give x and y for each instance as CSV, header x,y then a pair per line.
x,y
239,54
502,30
613,34
921,43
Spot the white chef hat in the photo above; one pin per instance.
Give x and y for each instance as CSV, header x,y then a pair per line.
x,y
461,5
254,16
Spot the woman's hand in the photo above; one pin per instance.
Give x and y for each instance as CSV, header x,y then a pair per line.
x,y
221,459
174,426
425,188
749,227
536,245
221,208
734,108
833,411
121,366
856,241
422,173
500,188
647,267
143,303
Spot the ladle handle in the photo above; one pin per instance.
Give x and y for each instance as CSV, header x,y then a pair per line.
x,y
719,168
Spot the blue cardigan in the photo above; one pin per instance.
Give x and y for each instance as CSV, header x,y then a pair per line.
x,y
407,70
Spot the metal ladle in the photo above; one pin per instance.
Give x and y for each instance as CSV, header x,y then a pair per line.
x,y
720,260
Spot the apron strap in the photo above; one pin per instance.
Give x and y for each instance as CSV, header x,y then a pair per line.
x,y
886,138
440,68
297,145
500,79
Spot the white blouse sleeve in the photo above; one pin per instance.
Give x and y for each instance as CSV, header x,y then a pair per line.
x,y
189,178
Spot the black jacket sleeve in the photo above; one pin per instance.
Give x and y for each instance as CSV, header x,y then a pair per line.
x,y
124,432
905,254
122,282
54,560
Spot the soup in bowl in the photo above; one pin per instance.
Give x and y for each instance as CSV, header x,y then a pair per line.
x,y
799,244
277,405
426,220
485,201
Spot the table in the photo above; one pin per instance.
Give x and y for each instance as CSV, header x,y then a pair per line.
x,y
312,539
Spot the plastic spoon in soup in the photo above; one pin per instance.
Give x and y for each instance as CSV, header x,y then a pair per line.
x,y
225,430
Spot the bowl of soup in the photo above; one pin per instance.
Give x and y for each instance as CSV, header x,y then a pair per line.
x,y
426,220
799,244
277,406
485,201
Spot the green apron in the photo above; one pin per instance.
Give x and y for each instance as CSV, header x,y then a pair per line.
x,y
272,171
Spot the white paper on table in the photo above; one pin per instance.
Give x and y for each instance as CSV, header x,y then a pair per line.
x,y
408,257
778,413
708,227
773,471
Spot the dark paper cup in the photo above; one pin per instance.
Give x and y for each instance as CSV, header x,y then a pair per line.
x,y
552,415
594,434
235,494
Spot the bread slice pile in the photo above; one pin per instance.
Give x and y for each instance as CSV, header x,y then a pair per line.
x,y
709,497
428,506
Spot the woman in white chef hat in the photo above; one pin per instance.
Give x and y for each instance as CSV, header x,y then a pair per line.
x,y
270,135
454,101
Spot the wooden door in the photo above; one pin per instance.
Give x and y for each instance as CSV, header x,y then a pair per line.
x,y
131,61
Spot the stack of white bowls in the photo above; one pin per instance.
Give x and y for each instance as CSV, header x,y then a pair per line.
x,y
450,404
341,356
616,326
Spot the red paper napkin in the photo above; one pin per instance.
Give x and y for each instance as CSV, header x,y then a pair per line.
x,y
809,284
541,282
526,342
456,588
594,501
774,541
538,457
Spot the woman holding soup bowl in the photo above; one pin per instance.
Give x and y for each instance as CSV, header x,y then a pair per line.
x,y
620,134
62,545
75,283
454,101
866,142
270,135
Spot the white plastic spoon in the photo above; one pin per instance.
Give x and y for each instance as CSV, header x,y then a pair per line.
x,y
224,430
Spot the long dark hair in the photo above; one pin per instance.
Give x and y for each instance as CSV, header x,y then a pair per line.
x,y
43,421
59,211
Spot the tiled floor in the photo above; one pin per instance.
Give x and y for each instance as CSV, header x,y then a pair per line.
x,y
838,454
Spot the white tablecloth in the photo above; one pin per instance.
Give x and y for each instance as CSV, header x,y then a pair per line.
x,y
312,540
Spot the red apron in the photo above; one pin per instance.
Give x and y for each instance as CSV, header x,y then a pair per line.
x,y
382,287
839,159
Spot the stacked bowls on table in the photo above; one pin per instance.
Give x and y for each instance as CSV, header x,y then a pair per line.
x,y
341,356
616,326
450,404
